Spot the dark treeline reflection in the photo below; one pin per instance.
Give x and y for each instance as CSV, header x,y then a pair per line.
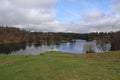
x,y
36,44
14,39
12,47
76,46
15,35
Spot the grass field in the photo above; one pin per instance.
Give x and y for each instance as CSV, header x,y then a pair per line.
x,y
61,66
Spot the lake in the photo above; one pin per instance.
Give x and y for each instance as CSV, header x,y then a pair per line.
x,y
77,47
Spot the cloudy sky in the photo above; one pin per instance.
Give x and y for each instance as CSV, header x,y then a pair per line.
x,y
78,16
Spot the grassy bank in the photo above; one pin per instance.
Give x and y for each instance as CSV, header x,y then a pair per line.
x,y
60,66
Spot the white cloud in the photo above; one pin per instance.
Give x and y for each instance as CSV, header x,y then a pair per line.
x,y
33,3
115,5
93,16
106,23
19,12
40,15
51,26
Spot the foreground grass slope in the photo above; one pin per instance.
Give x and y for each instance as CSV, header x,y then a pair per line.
x,y
60,66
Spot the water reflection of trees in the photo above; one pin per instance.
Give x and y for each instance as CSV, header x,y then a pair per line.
x,y
103,45
71,45
13,47
37,44
89,48
99,46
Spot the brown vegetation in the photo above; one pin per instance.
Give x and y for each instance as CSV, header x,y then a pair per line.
x,y
16,35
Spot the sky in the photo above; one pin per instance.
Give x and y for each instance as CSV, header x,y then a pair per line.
x,y
76,16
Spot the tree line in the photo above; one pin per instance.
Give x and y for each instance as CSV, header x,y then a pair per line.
x,y
16,35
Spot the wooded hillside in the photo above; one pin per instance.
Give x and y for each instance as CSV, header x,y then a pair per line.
x,y
15,35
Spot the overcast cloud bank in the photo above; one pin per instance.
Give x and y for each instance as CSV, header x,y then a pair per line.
x,y
40,15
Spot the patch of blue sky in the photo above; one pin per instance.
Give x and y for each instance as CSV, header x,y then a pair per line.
x,y
71,10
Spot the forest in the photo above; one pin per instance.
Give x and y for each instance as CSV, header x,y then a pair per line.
x,y
16,35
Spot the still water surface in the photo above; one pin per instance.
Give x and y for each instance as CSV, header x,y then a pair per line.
x,y
37,48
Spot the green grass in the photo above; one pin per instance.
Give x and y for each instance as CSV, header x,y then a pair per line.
x,y
61,66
